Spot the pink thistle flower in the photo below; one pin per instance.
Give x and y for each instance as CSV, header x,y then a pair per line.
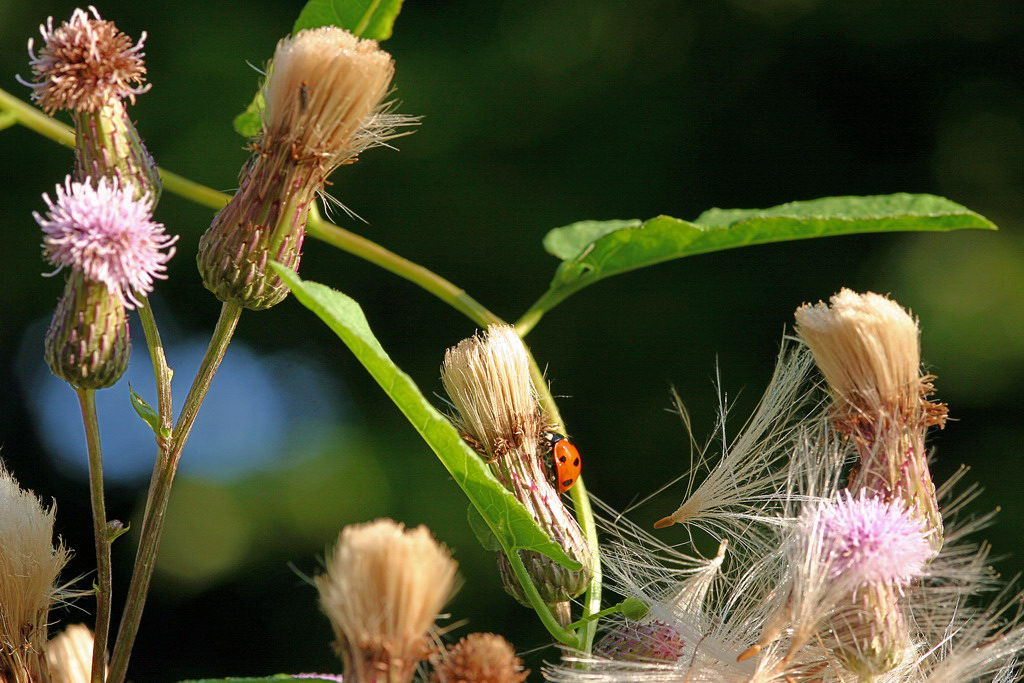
x,y
108,235
866,539
85,63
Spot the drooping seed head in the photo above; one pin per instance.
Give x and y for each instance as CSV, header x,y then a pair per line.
x,y
865,539
383,588
85,63
30,563
69,655
480,658
108,234
325,84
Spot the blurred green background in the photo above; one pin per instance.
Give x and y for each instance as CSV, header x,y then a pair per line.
x,y
535,115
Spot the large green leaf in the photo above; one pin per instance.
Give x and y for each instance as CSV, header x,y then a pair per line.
x,y
506,517
365,18
593,250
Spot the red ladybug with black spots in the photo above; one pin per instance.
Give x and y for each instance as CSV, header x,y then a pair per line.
x,y
562,460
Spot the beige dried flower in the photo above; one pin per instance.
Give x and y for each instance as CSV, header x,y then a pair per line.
x,y
480,658
867,347
69,655
85,63
488,380
323,107
29,566
383,589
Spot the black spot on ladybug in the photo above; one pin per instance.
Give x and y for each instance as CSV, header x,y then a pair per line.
x,y
576,462
562,459
567,482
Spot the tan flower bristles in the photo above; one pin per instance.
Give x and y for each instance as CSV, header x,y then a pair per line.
x,y
29,566
69,655
867,347
480,658
383,589
85,63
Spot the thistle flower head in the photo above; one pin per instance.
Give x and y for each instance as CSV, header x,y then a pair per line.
x,y
480,658
324,86
29,566
654,641
69,655
85,63
383,588
104,232
865,539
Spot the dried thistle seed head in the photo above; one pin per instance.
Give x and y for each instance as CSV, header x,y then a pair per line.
x,y
488,380
87,344
30,563
324,86
85,63
867,347
383,588
479,658
105,232
487,377
69,655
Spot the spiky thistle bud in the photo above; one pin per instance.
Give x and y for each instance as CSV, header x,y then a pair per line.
x,y
867,347
87,344
69,655
323,99
29,565
479,658
383,588
650,641
488,380
89,67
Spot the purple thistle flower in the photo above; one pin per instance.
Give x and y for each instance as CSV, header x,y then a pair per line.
x,y
866,539
108,235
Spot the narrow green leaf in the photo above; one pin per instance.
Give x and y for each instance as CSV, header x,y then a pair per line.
x,y
593,250
480,529
365,18
506,517
147,413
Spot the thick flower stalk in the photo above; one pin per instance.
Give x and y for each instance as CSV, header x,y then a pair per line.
x,y
488,380
479,658
87,66
323,106
383,589
867,347
104,234
69,655
30,563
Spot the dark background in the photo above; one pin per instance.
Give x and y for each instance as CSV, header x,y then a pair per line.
x,y
535,115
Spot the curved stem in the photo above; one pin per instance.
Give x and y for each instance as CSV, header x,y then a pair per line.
x,y
557,631
584,515
87,401
152,525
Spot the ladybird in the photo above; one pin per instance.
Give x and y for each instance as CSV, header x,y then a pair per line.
x,y
565,461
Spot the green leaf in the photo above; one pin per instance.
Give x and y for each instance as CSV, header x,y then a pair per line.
x,y
365,18
250,121
593,250
147,413
507,519
480,529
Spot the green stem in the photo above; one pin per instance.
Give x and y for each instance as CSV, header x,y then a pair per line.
x,y
104,584
557,631
152,525
584,515
161,371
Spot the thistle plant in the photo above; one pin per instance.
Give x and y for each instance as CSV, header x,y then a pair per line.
x,y
838,558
